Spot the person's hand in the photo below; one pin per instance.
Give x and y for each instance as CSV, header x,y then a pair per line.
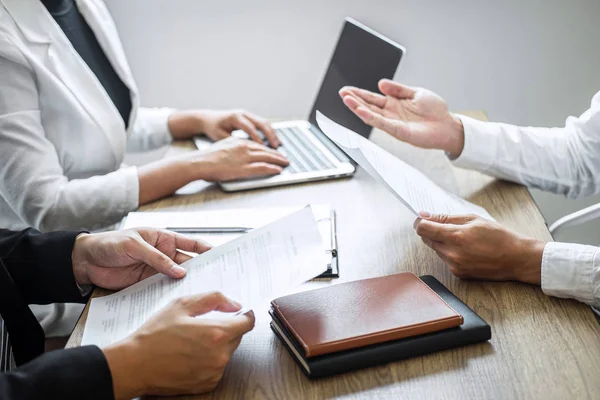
x,y
218,125
176,353
413,115
235,158
116,260
473,247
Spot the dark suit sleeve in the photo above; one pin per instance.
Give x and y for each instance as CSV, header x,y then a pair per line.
x,y
40,265
79,373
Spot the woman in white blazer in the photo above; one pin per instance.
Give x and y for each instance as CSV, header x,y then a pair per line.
x,y
69,109
63,138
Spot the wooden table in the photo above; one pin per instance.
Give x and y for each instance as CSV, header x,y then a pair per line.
x,y
541,347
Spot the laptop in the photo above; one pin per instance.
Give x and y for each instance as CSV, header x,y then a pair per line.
x,y
361,58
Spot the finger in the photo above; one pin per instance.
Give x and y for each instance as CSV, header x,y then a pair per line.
x,y
162,263
428,242
261,147
244,124
451,265
147,273
205,302
240,324
269,157
367,96
180,257
439,247
222,134
266,129
454,268
449,219
187,243
234,343
261,169
394,89
434,231
397,128
353,102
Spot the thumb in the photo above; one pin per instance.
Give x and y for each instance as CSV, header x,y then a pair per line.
x,y
394,89
448,219
148,254
205,302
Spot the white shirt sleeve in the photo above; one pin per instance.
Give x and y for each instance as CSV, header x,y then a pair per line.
x,y
150,129
572,271
561,160
32,180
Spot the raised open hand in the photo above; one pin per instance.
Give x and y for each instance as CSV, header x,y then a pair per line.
x,y
413,115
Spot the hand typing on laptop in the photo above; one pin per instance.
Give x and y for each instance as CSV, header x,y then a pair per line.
x,y
235,158
218,125
227,160
312,156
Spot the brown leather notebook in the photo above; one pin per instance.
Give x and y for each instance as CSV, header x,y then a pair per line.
x,y
364,312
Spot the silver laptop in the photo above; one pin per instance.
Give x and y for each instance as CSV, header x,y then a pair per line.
x,y
361,58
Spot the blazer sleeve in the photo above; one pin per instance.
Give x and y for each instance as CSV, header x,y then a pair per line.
x,y
63,374
150,129
40,265
32,179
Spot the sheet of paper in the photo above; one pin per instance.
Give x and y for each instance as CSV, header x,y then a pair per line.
x,y
409,185
246,217
432,163
261,265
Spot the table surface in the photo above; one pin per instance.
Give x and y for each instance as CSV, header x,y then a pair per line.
x,y
541,347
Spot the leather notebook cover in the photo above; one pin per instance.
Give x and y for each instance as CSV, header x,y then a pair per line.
x,y
473,330
362,313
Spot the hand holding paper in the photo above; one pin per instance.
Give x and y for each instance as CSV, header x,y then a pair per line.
x,y
259,265
410,186
176,353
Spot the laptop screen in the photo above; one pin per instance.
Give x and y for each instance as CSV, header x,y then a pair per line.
x,y
362,57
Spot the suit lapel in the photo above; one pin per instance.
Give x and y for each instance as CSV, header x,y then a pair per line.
x,y
63,61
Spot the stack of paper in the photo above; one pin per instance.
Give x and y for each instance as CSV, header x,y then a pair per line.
x,y
260,265
225,218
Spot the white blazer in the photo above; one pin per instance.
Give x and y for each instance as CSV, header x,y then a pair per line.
x,y
62,140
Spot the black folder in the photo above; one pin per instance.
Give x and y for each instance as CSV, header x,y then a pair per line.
x,y
473,330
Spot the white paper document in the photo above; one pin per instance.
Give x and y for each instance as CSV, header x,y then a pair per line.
x,y
224,218
409,185
261,265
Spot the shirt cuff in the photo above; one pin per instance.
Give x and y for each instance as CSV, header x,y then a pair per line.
x,y
157,122
570,271
131,201
479,151
151,129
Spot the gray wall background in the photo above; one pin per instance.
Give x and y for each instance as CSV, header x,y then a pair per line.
x,y
527,62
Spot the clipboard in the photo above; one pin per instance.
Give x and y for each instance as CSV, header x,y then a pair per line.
x,y
239,221
333,270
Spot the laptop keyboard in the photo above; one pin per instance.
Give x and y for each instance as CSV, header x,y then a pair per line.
x,y
303,155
